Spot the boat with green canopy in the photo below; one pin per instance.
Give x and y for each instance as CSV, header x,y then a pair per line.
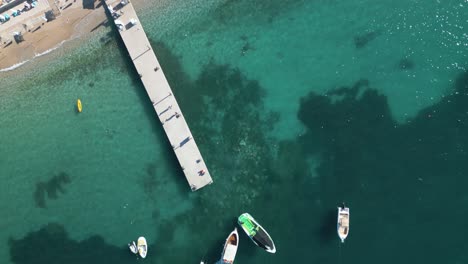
x,y
256,232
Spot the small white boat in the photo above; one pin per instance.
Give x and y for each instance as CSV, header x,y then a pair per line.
x,y
133,247
343,222
230,248
142,247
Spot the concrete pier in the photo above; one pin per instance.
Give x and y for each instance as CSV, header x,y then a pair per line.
x,y
160,93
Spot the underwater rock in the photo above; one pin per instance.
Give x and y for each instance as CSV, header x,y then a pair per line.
x,y
405,64
51,187
360,41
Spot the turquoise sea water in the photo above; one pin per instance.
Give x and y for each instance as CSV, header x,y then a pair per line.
x,y
296,107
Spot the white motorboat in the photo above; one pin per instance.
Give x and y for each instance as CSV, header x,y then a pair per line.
x,y
133,247
230,248
343,222
142,247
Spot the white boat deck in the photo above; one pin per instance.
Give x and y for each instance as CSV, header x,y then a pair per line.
x,y
160,94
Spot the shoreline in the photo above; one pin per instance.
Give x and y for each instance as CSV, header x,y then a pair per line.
x,y
37,55
81,29
75,22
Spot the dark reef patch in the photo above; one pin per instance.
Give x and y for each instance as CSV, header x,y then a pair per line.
x,y
108,38
150,181
52,245
406,172
245,48
155,215
51,188
110,133
279,55
360,41
229,11
406,64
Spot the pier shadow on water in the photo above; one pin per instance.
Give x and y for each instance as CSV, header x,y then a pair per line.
x,y
226,115
51,245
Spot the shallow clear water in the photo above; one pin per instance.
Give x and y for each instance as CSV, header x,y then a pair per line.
x,y
296,107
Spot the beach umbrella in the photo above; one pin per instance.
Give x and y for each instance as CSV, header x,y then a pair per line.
x,y
18,37
50,15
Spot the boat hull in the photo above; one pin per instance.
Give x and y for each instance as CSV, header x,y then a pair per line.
x,y
133,247
342,225
256,233
230,247
142,247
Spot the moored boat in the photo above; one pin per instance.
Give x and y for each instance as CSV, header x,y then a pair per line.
x,y
343,222
133,247
79,106
142,247
230,248
256,232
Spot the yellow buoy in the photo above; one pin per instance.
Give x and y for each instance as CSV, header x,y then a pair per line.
x,y
78,105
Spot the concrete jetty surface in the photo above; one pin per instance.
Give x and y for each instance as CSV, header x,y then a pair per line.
x,y
160,93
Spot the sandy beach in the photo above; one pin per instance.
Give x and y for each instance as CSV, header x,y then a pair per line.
x,y
40,37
